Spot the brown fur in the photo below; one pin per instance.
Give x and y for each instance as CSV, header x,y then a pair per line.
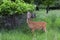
x,y
35,25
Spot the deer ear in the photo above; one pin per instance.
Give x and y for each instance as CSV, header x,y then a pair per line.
x,y
33,15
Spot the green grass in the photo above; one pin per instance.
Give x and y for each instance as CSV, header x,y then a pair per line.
x,y
53,28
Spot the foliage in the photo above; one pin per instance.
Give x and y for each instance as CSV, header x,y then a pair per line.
x,y
9,7
52,18
57,3
48,2
51,33
29,1
37,2
0,1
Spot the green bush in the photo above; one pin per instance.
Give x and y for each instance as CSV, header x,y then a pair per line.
x,y
9,7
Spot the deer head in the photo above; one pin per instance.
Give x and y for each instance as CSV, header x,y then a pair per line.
x,y
28,15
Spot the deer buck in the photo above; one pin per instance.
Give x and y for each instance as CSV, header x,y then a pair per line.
x,y
35,25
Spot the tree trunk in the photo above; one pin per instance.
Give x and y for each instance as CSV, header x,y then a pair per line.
x,y
47,9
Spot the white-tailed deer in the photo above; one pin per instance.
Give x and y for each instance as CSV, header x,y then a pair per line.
x,y
35,25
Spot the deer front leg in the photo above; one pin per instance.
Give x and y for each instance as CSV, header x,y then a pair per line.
x,y
44,29
32,31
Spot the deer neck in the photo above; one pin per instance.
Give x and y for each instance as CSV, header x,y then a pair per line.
x,y
29,21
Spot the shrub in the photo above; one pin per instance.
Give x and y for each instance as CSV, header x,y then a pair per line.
x,y
9,7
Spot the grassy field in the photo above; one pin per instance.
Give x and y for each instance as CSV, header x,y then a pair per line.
x,y
53,28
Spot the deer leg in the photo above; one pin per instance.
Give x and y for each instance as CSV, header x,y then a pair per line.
x,y
44,28
32,31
